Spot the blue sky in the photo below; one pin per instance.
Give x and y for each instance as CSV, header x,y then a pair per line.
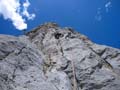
x,y
89,17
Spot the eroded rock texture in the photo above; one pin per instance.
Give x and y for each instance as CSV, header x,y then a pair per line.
x,y
54,58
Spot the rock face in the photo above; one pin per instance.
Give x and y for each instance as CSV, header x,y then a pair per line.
x,y
54,58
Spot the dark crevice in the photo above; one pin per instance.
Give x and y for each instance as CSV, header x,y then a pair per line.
x,y
83,60
112,56
6,55
69,35
14,71
55,86
58,35
64,68
61,50
102,52
103,61
13,75
9,53
20,51
71,30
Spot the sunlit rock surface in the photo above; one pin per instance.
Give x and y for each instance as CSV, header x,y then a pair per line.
x,y
54,58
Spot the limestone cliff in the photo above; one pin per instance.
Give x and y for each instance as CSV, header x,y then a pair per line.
x,y
54,58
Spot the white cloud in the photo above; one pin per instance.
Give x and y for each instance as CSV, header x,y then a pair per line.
x,y
108,5
25,11
106,8
10,9
98,16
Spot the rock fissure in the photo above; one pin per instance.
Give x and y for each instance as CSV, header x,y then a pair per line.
x,y
108,65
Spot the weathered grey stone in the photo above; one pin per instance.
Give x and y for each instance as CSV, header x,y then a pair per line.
x,y
68,51
54,58
21,66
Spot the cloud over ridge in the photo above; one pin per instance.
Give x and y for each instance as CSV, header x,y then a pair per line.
x,y
11,9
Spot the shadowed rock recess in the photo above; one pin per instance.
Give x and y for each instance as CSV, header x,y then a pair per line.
x,y
54,58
